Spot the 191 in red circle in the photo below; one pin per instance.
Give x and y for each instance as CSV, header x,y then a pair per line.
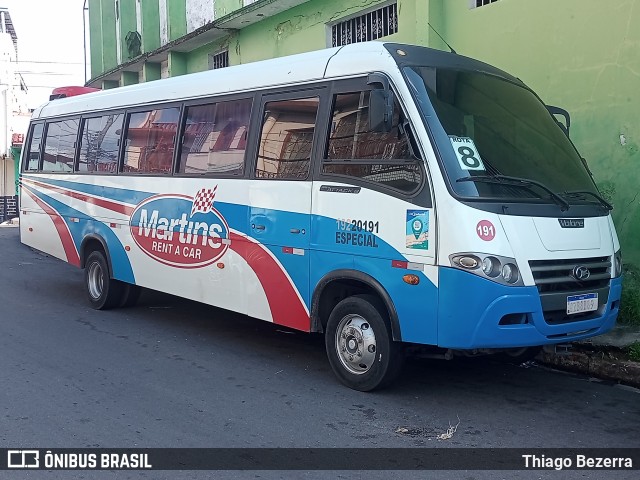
x,y
485,230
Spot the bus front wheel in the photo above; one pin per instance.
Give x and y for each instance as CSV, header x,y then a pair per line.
x,y
358,339
103,291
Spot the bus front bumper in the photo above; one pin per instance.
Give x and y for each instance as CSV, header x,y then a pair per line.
x,y
477,313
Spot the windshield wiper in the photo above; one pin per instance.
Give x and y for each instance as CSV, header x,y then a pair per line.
x,y
582,193
515,182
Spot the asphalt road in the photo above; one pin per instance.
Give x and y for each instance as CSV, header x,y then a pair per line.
x,y
174,373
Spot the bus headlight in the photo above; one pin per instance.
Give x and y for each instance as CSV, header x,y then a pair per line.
x,y
491,266
617,263
510,273
494,267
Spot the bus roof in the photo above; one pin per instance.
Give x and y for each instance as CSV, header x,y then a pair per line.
x,y
345,61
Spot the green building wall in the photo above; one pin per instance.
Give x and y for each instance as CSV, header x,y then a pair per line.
x,y
581,55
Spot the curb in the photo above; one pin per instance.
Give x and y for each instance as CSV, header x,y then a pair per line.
x,y
595,364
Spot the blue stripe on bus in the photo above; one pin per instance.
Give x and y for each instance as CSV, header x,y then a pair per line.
x,y
132,197
416,304
120,263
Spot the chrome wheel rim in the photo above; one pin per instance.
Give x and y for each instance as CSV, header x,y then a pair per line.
x,y
356,344
95,280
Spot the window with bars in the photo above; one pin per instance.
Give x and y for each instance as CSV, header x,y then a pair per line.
x,y
219,60
480,3
369,26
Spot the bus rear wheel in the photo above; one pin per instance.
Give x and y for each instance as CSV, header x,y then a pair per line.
x,y
103,291
130,295
358,339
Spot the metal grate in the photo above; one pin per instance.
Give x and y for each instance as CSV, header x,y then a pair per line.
x,y
370,26
481,3
219,60
8,208
556,275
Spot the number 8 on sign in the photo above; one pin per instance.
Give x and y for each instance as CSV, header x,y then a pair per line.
x,y
467,153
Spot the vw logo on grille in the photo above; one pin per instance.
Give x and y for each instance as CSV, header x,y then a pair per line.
x,y
580,273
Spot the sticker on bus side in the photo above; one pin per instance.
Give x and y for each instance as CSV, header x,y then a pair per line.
x,y
179,230
417,229
467,153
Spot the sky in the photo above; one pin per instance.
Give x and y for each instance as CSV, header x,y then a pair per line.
x,y
50,44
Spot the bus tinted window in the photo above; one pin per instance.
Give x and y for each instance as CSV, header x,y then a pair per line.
x,y
350,136
100,142
33,162
286,139
378,157
59,146
150,141
215,138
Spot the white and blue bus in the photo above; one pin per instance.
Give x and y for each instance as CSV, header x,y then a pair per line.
x,y
386,195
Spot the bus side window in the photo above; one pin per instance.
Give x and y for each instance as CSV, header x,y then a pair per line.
x,y
100,143
286,139
150,141
60,146
32,162
355,151
215,138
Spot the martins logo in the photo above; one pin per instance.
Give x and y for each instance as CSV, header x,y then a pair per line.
x,y
181,231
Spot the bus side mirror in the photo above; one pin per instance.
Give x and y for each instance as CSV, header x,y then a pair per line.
x,y
557,111
380,110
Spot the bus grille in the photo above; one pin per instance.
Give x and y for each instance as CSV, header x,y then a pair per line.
x,y
555,276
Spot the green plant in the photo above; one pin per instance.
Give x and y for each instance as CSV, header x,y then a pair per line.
x,y
607,190
634,352
630,301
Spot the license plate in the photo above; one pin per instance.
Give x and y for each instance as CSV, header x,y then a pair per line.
x,y
587,302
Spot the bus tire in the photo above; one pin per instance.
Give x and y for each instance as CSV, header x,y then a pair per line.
x,y
103,291
517,356
130,295
359,345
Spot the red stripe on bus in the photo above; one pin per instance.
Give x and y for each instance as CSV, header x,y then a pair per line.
x,y
63,230
286,306
109,205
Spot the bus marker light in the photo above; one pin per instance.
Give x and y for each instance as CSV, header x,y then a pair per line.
x,y
293,251
220,265
127,248
407,265
411,279
31,229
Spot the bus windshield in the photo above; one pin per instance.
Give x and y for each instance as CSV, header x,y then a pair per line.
x,y
490,130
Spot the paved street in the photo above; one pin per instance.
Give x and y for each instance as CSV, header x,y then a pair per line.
x,y
173,373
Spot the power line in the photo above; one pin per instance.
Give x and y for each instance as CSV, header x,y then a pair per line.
x,y
45,61
34,86
26,72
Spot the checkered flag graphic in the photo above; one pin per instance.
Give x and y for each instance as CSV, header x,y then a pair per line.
x,y
203,201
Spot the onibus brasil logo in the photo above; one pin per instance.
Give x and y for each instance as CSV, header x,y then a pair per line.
x,y
179,230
